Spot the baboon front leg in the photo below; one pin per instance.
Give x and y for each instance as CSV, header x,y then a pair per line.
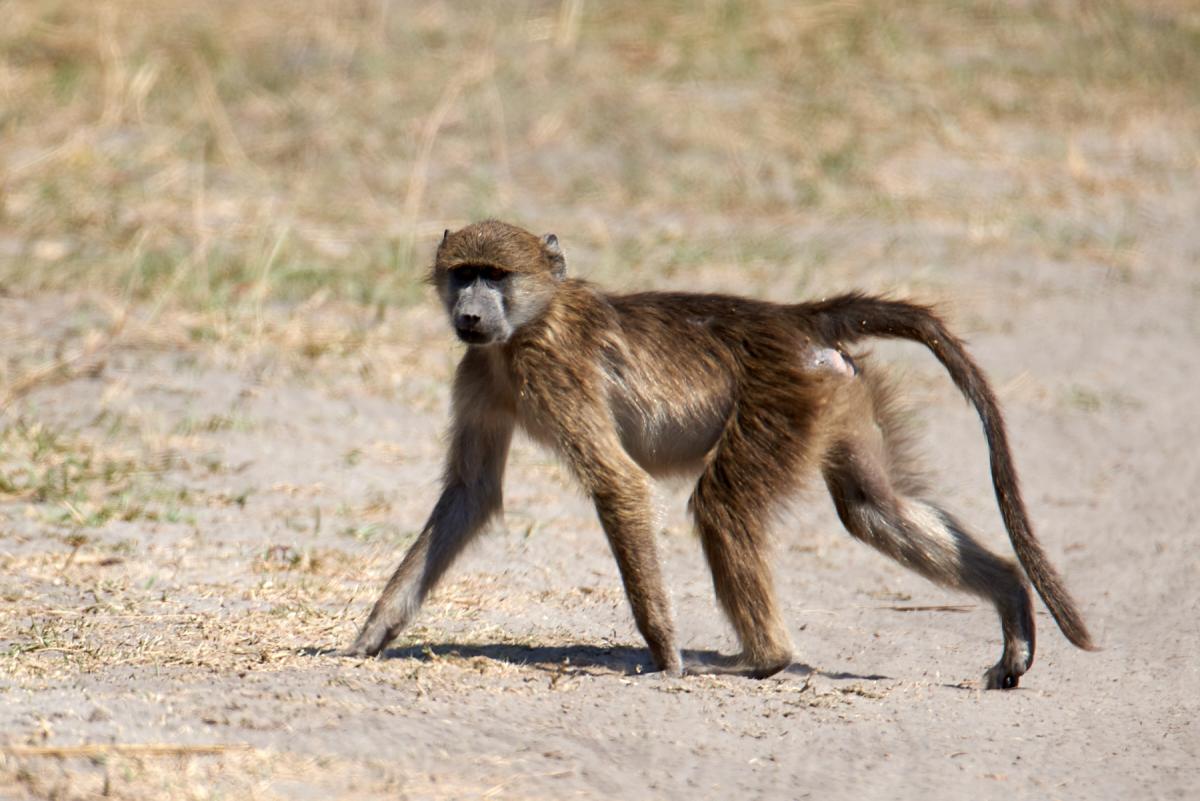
x,y
929,540
459,515
471,495
626,515
733,533
589,443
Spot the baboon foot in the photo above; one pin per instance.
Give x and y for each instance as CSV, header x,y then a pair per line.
x,y
1003,675
1019,639
742,665
1006,674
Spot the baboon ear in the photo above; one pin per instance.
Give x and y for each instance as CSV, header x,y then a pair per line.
x,y
445,236
558,262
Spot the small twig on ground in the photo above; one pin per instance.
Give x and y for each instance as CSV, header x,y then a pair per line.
x,y
935,608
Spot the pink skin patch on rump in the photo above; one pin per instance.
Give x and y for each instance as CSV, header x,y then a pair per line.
x,y
835,360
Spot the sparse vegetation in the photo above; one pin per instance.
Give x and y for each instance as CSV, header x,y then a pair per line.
x,y
219,399
205,158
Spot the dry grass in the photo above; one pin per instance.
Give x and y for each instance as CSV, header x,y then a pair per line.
x,y
255,187
229,158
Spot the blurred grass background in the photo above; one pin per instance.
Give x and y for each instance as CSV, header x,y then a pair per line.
x,y
223,155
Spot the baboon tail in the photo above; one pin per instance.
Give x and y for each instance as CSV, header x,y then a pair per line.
x,y
848,318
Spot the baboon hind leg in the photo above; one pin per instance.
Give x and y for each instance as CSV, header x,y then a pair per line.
x,y
929,540
732,524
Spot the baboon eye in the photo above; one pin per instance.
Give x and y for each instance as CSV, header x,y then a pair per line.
x,y
468,273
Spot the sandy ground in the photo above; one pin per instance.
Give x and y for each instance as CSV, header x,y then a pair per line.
x,y
222,398
261,501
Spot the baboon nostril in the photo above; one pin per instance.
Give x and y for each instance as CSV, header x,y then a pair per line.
x,y
468,320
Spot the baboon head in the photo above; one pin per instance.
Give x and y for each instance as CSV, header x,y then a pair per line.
x,y
494,278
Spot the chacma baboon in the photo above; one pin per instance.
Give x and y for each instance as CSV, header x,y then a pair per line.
x,y
750,396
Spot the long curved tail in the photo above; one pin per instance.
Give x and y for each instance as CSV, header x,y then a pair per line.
x,y
851,317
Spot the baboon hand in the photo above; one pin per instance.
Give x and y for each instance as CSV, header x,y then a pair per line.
x,y
370,641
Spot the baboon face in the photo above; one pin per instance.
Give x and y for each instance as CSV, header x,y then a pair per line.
x,y
494,278
478,313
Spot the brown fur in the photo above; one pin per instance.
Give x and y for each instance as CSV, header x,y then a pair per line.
x,y
738,391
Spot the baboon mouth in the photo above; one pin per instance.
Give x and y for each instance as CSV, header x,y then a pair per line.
x,y
472,337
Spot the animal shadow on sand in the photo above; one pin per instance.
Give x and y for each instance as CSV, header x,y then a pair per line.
x,y
621,659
